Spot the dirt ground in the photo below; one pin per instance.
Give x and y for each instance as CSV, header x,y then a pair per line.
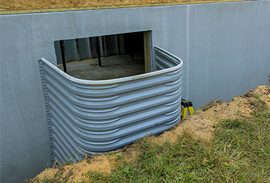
x,y
199,125
45,4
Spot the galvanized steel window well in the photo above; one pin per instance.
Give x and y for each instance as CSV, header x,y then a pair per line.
x,y
96,116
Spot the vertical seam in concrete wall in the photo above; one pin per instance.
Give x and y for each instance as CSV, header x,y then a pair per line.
x,y
187,52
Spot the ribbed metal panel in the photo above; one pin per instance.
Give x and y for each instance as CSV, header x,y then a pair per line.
x,y
165,60
86,116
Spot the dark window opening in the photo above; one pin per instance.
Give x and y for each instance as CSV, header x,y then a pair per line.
x,y
104,57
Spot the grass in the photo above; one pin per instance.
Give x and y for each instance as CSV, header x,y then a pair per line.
x,y
239,152
257,96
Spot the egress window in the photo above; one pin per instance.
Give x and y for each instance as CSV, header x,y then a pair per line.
x,y
105,57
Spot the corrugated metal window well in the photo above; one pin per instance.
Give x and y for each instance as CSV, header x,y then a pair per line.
x,y
90,116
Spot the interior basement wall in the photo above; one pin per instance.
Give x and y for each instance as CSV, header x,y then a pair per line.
x,y
224,47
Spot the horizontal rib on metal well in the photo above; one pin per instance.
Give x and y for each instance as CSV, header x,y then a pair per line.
x,y
86,116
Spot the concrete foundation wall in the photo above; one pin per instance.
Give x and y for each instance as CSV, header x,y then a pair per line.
x,y
224,47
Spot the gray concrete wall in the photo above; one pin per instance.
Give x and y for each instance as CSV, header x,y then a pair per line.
x,y
224,46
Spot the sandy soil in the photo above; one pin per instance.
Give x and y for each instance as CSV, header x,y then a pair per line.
x,y
199,125
45,4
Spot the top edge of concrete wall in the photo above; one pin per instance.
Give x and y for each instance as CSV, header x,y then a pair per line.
x,y
10,12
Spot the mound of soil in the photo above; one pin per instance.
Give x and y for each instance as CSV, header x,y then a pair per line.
x,y
200,125
52,4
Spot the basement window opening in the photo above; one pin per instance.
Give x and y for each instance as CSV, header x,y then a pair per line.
x,y
104,57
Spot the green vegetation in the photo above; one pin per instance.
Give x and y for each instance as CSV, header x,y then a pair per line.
x,y
257,96
239,152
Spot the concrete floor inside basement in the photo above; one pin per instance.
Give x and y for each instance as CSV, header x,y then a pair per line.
x,y
112,67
